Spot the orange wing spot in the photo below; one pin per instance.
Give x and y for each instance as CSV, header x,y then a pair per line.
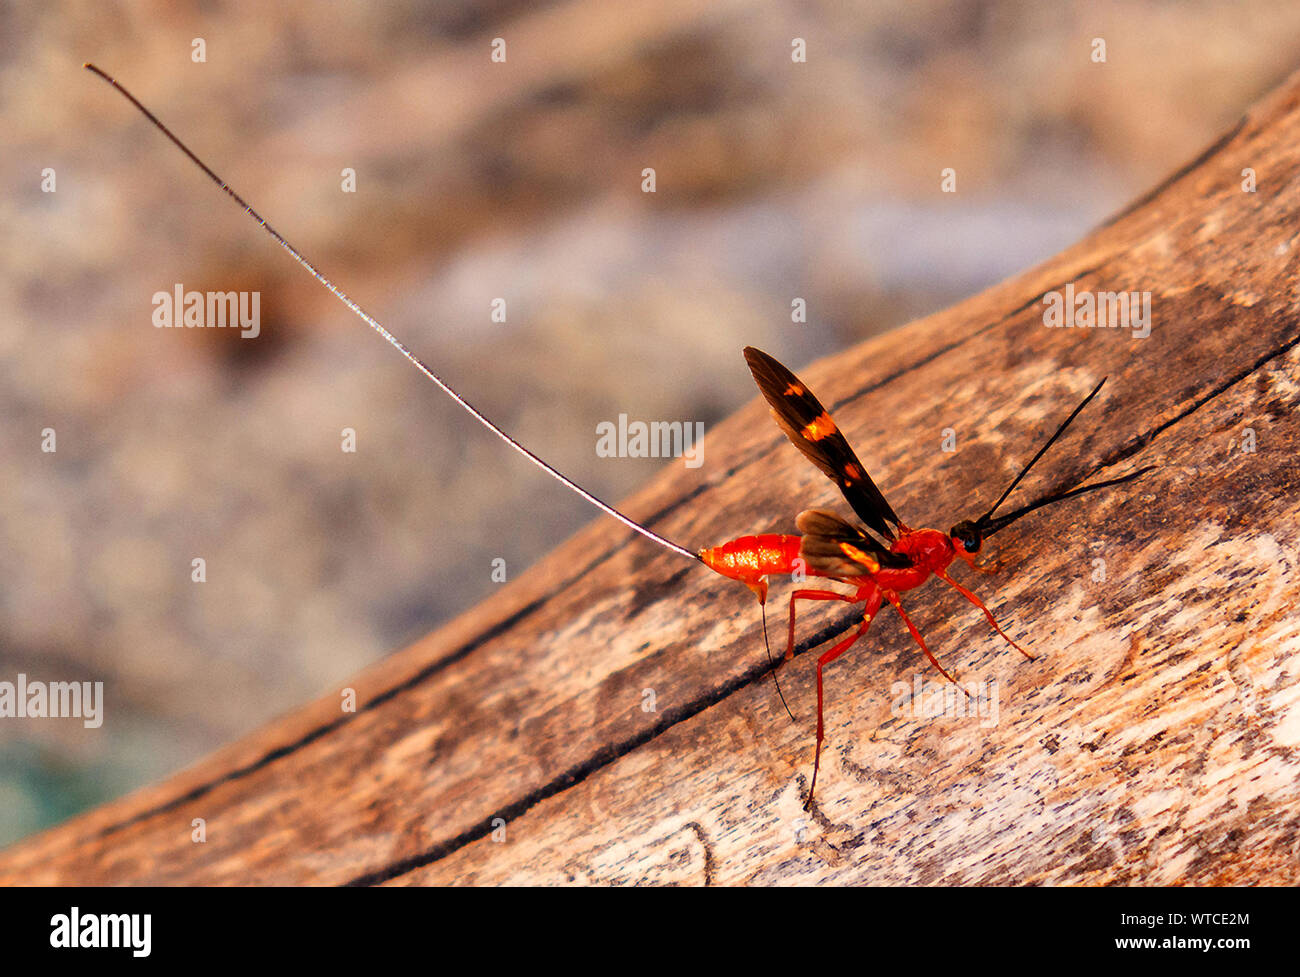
x,y
819,427
794,390
859,556
853,472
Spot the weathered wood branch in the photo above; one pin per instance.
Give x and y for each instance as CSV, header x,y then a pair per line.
x,y
1155,740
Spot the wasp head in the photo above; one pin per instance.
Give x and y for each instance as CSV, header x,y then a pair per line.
x,y
967,538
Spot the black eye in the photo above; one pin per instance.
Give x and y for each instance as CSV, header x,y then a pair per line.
x,y
966,536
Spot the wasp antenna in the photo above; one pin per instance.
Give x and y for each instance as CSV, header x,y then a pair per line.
x,y
992,526
388,337
984,519
772,663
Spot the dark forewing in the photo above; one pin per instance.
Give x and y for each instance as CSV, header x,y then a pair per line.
x,y
810,429
832,547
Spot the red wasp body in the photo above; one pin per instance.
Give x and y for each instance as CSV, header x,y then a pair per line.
x,y
751,559
878,567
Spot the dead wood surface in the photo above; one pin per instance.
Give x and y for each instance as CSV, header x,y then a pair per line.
x,y
1154,740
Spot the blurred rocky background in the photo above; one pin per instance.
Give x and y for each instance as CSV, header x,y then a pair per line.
x,y
477,180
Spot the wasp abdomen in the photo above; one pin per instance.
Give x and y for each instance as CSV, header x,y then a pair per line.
x,y
750,558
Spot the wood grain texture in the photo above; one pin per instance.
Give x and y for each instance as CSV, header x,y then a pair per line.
x,y
1155,740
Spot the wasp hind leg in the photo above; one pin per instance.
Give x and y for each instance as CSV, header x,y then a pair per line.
x,y
811,595
868,614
